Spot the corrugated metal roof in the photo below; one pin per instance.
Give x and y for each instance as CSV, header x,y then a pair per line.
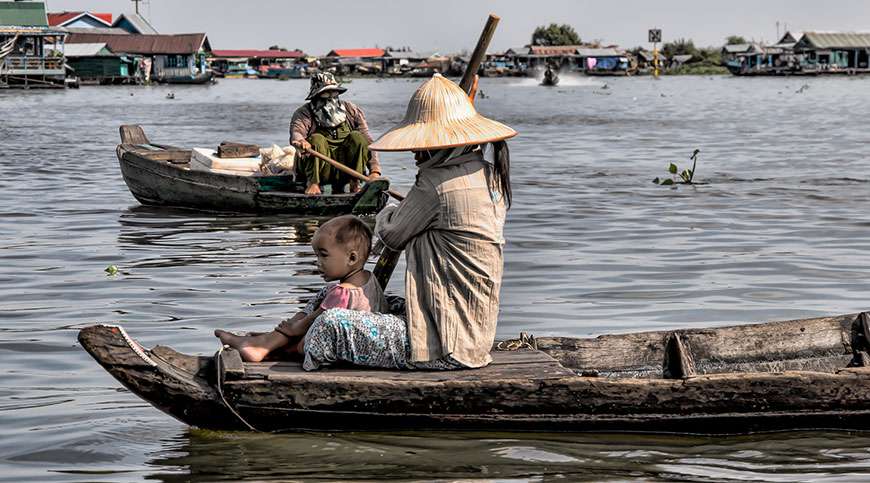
x,y
84,50
553,49
139,23
23,14
790,38
262,54
608,52
145,44
356,53
835,40
88,30
405,54
741,48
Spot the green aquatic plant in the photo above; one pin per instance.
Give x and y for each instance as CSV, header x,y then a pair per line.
x,y
685,176
111,270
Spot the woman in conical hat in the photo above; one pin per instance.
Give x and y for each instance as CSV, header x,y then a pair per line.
x,y
450,226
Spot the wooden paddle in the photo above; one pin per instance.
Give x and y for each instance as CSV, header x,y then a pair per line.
x,y
389,258
350,171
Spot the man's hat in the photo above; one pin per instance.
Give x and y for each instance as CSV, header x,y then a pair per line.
x,y
440,115
322,82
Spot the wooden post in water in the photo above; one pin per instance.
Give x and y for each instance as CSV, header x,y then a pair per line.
x,y
389,258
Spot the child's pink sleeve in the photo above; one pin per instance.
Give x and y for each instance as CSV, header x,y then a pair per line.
x,y
337,298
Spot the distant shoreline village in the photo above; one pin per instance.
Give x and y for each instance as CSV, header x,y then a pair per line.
x,y
40,49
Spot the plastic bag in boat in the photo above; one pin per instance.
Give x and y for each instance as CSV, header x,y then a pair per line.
x,y
277,161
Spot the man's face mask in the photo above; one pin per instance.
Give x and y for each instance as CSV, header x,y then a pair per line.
x,y
328,110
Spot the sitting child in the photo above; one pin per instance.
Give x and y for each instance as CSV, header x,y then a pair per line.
x,y
342,246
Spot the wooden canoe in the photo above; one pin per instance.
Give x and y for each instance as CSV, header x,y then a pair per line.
x,y
163,176
799,374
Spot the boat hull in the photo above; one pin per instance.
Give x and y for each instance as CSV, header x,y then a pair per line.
x,y
171,182
551,389
199,78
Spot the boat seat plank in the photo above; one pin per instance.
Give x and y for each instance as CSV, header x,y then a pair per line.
x,y
154,153
526,364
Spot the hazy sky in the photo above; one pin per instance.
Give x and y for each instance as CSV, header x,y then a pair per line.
x,y
452,25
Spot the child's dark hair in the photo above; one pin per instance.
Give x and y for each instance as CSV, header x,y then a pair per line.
x,y
353,232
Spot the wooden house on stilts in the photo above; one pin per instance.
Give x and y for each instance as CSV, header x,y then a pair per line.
x,y
31,53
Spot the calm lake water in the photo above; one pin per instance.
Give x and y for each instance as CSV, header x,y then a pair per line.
x,y
781,230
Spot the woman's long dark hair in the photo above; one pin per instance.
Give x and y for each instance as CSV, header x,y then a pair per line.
x,y
502,164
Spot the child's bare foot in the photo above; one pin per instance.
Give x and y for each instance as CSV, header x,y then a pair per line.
x,y
250,348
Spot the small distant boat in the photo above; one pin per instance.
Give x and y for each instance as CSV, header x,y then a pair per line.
x,y
798,374
281,72
551,78
162,175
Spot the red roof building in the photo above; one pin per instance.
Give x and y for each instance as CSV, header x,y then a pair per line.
x,y
79,19
258,54
353,53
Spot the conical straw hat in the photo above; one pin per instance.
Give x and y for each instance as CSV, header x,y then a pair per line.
x,y
440,115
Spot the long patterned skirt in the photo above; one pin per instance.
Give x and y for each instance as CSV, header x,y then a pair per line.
x,y
363,339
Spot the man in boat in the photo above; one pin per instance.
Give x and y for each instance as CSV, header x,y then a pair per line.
x,y
550,77
335,128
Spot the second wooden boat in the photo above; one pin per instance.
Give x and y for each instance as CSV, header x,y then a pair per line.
x,y
799,374
165,176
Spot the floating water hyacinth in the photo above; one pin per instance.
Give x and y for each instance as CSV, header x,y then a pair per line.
x,y
111,270
685,177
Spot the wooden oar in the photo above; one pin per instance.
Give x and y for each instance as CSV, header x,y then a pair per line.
x,y
389,258
350,171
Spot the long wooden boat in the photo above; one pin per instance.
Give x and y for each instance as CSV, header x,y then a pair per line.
x,y
798,374
198,78
165,176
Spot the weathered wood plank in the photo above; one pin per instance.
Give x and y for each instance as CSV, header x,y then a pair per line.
x,y
499,358
232,365
228,149
678,363
522,364
514,371
192,365
177,155
626,398
133,134
795,339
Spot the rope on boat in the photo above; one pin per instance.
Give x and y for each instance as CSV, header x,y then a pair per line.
x,y
526,341
220,389
134,346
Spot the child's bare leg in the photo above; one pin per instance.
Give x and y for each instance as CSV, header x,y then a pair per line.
x,y
253,348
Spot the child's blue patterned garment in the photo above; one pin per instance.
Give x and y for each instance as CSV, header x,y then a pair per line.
x,y
363,339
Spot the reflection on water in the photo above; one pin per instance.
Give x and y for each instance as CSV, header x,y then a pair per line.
x,y
593,246
209,456
196,238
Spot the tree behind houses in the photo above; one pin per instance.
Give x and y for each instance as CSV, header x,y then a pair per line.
x,y
734,40
680,47
555,35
